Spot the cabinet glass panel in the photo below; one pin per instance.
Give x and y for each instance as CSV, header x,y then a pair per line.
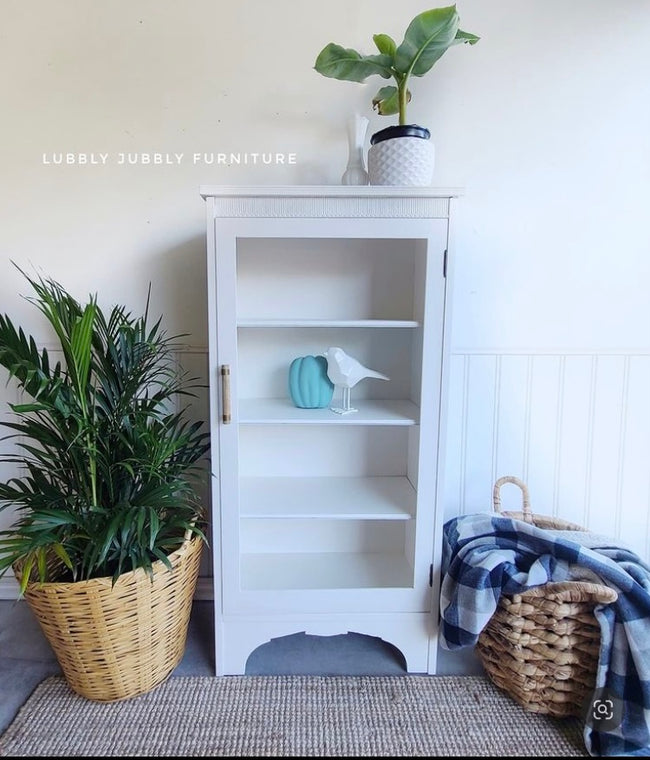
x,y
333,279
325,554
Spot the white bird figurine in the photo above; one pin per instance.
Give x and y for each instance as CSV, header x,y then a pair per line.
x,y
345,372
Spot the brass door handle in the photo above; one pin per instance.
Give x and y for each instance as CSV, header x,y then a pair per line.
x,y
226,417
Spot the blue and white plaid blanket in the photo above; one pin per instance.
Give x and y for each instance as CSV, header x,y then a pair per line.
x,y
485,556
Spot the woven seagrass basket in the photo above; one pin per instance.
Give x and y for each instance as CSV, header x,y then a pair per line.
x,y
542,646
116,642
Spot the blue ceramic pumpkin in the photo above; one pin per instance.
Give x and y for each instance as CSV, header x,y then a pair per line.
x,y
309,386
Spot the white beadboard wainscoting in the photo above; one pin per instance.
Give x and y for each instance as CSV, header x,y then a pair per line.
x,y
573,425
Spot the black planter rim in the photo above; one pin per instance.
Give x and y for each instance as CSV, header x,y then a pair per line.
x,y
400,130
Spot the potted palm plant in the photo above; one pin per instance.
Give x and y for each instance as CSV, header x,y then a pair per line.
x,y
401,154
108,529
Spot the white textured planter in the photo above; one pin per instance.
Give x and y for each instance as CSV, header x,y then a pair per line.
x,y
404,159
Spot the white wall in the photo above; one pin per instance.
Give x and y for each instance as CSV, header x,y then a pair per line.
x,y
544,122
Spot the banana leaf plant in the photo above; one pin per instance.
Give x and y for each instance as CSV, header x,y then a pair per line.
x,y
429,35
105,456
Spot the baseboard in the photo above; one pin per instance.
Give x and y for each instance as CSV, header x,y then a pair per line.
x,y
9,589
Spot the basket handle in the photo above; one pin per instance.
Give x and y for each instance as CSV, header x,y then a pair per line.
x,y
496,496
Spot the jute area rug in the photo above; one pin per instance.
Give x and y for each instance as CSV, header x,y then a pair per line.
x,y
282,716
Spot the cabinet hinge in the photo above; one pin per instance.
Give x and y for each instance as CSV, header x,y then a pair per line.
x,y
431,576
444,264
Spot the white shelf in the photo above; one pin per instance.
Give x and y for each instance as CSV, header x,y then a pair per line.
x,y
269,411
327,570
327,498
401,323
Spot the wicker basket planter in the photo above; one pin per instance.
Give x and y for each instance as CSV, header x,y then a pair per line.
x,y
116,642
542,646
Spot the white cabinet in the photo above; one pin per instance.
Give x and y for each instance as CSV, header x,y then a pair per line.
x,y
322,522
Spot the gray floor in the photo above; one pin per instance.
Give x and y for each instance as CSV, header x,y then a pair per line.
x,y
26,657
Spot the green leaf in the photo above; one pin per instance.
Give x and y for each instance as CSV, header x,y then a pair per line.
x,y
155,528
163,558
427,38
41,560
386,101
63,555
25,572
22,408
468,37
80,344
349,65
385,44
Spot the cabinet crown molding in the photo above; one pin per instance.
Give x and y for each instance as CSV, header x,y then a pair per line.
x,y
329,201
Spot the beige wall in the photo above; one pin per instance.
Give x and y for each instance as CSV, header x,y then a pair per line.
x,y
544,122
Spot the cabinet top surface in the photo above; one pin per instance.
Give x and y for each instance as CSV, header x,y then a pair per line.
x,y
326,191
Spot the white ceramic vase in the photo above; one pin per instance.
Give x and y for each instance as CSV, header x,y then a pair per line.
x,y
402,155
